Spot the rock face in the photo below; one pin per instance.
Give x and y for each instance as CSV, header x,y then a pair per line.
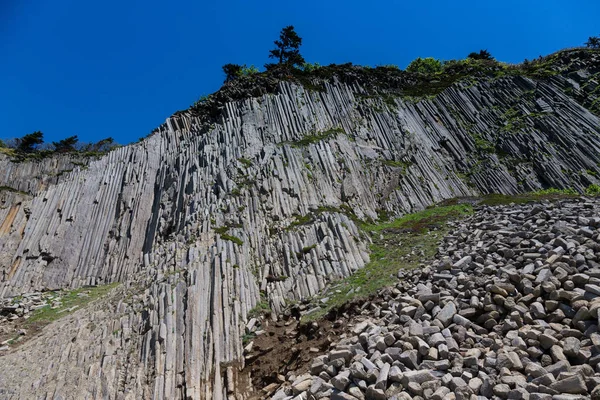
x,y
201,217
482,335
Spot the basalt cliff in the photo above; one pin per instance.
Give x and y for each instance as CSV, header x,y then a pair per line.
x,y
253,197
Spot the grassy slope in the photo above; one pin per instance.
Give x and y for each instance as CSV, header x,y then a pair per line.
x,y
400,244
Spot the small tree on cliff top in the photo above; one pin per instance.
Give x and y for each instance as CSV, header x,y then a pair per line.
x,y
30,142
66,145
231,71
593,42
288,48
482,55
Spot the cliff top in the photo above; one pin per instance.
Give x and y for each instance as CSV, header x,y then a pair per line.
x,y
390,80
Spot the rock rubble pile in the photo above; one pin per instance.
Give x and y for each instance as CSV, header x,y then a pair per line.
x,y
13,308
508,310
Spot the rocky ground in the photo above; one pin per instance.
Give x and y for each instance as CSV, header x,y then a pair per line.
x,y
507,310
15,311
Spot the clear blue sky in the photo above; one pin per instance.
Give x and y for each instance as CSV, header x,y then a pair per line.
x,y
119,68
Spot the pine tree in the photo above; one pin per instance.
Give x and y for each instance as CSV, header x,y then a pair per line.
x,y
288,48
593,42
30,142
231,71
65,145
482,55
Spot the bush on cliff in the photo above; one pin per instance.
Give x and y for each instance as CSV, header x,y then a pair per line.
x,y
427,65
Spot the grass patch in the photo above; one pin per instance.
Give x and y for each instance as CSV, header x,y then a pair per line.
x,y
316,137
78,298
483,145
300,220
247,337
245,162
260,308
222,231
398,164
306,250
12,190
232,238
592,190
421,221
7,150
496,199
393,243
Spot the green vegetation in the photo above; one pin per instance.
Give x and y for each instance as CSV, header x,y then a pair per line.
x,y
261,308
483,145
552,191
496,199
245,162
222,232
248,71
427,65
593,190
306,250
232,238
231,71
13,190
66,145
32,147
316,137
201,100
424,78
247,337
391,250
310,67
482,55
300,220
30,142
593,42
78,298
420,221
398,164
287,49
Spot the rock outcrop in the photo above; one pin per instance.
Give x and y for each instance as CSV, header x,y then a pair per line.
x,y
509,310
200,218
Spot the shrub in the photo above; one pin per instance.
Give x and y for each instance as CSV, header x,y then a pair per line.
x,y
308,67
427,65
553,191
593,190
482,55
202,99
246,71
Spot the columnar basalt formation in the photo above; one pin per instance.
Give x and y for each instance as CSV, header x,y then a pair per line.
x,y
200,218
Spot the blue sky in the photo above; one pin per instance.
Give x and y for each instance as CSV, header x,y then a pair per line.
x,y
120,68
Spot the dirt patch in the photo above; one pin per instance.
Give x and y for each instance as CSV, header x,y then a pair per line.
x,y
290,346
283,347
15,333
